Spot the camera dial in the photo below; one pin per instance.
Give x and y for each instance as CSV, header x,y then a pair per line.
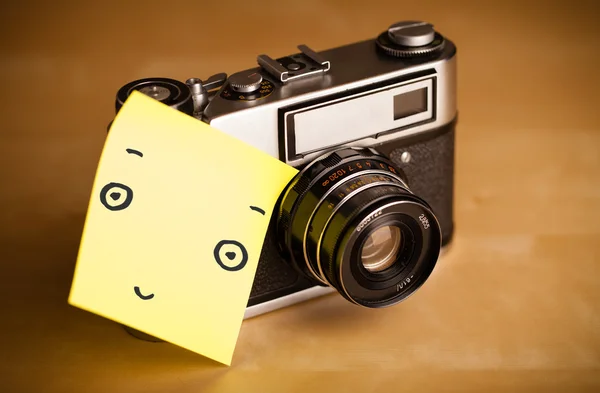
x,y
349,220
170,92
244,82
247,86
410,39
190,98
411,33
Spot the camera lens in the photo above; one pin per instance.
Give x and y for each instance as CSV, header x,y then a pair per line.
x,y
349,220
380,250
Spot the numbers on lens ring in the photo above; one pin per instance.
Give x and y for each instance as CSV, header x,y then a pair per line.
x,y
335,175
369,164
404,283
424,221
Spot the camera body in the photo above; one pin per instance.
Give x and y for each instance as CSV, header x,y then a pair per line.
x,y
393,95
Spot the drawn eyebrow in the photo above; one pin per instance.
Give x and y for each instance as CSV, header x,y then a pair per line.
x,y
136,152
258,209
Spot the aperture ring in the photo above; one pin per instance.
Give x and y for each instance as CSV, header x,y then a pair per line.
x,y
309,187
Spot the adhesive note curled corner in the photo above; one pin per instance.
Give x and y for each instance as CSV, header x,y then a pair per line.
x,y
174,229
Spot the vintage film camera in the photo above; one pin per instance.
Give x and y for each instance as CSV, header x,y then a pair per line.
x,y
370,126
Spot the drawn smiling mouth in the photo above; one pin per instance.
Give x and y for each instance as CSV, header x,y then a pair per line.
x,y
140,295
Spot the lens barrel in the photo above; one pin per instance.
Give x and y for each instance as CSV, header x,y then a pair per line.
x,y
334,212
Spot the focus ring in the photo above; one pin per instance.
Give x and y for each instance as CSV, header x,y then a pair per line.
x,y
305,191
327,207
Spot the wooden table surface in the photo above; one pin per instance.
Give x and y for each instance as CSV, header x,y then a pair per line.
x,y
513,306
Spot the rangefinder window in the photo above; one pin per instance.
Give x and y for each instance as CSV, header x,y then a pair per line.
x,y
410,103
358,117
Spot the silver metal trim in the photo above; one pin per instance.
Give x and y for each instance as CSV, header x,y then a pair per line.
x,y
257,122
315,57
274,68
285,301
384,127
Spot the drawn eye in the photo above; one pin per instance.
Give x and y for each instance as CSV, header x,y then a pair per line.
x,y
231,255
116,196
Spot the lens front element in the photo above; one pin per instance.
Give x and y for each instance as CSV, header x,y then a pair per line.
x,y
348,220
380,250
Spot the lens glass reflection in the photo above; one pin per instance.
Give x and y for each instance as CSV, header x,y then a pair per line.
x,y
380,250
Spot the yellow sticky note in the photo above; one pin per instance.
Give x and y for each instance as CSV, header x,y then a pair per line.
x,y
175,226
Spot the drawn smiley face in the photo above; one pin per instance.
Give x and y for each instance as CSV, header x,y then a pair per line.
x,y
230,255
171,244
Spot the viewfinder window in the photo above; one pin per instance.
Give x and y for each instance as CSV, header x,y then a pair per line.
x,y
410,103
